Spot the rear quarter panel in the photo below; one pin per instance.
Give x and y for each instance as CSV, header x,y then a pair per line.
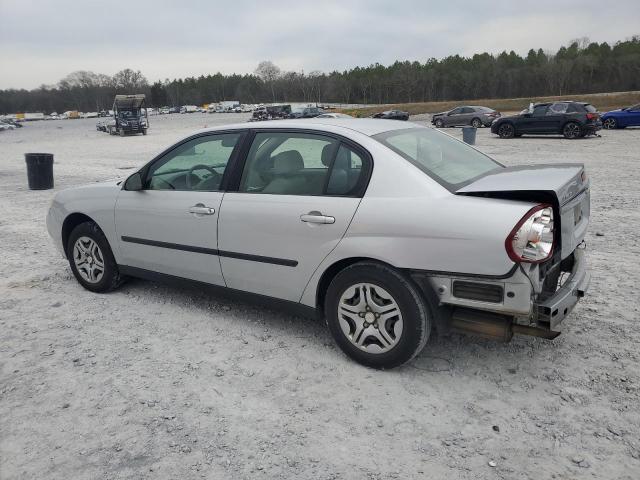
x,y
409,221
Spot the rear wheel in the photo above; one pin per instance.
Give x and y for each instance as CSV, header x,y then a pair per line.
x,y
506,130
476,122
572,130
610,124
91,259
376,315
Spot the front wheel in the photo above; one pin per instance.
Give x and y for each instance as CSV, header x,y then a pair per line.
x,y
144,131
439,123
572,130
610,124
91,259
376,315
506,130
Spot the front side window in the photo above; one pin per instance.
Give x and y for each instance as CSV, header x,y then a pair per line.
x,y
540,110
287,163
450,162
198,164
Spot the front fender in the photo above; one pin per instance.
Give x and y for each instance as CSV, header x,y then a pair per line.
x,y
96,201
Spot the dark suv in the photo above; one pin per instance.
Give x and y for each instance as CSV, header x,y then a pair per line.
x,y
571,119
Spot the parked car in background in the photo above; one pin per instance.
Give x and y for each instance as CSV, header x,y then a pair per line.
x,y
392,115
622,118
305,112
189,109
164,110
570,119
11,123
334,115
466,115
323,219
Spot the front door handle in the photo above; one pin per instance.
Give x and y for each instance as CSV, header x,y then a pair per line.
x,y
317,217
200,209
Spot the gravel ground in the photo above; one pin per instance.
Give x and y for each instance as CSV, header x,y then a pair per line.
x,y
155,382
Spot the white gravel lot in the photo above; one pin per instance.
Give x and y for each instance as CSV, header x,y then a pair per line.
x,y
154,382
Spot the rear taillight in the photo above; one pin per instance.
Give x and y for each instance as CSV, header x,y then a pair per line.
x,y
531,240
592,116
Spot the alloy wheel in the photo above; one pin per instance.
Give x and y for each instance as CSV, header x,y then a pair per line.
x,y
476,123
609,123
572,130
88,259
505,130
370,318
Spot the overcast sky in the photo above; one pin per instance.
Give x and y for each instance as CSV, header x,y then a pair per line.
x,y
42,41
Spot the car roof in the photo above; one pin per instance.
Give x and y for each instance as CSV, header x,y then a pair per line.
x,y
365,126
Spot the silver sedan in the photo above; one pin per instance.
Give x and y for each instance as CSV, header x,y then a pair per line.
x,y
388,230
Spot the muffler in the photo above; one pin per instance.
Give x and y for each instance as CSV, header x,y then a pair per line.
x,y
483,324
493,325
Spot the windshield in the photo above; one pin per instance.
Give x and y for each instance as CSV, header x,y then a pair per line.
x,y
448,161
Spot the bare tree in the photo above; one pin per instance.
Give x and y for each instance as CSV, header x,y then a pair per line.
x,y
268,73
129,80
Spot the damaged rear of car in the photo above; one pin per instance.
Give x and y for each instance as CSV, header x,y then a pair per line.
x,y
546,274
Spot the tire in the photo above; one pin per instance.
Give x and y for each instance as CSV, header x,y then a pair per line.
x,y
476,123
121,132
610,124
144,131
506,130
572,130
439,123
85,260
355,324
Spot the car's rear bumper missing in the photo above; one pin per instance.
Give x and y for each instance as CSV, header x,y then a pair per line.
x,y
552,311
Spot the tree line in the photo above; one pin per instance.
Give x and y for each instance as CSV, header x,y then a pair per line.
x,y
581,67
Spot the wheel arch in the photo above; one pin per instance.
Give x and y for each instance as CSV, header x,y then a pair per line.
x,y
439,313
70,222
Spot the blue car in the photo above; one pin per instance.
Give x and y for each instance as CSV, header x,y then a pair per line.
x,y
624,117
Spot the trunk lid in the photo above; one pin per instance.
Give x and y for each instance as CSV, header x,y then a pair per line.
x,y
565,186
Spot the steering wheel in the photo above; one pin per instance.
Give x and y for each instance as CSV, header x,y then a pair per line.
x,y
201,167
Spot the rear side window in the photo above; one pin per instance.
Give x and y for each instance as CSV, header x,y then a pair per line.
x,y
450,162
289,163
558,109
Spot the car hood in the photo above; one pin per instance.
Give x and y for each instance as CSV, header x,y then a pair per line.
x,y
439,114
563,180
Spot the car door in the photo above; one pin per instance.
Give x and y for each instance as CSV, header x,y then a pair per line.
x,y
556,116
633,116
453,117
170,225
533,122
295,198
467,114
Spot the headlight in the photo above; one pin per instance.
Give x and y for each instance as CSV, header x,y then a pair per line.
x,y
531,240
143,122
123,123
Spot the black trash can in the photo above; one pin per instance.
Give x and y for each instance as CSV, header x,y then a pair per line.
x,y
469,135
39,170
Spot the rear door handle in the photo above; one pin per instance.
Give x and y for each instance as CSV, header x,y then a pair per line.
x,y
317,217
200,209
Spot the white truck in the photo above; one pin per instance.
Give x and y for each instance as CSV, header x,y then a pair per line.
x,y
188,109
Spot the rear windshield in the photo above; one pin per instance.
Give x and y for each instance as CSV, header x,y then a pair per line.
x,y
450,162
590,108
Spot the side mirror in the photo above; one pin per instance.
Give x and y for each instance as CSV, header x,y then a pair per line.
x,y
134,182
